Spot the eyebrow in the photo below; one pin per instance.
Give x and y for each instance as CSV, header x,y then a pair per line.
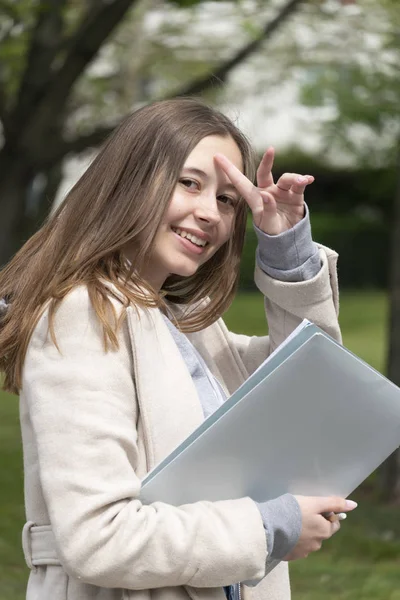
x,y
203,175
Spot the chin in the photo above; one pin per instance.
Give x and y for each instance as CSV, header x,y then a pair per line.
x,y
185,270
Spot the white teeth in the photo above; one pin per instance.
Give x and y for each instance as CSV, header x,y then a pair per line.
x,y
197,240
190,236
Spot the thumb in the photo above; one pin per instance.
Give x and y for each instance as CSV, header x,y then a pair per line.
x,y
335,504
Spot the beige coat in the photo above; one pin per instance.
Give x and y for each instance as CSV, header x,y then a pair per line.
x,y
93,423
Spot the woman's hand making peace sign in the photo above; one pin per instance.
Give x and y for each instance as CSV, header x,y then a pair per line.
x,y
276,207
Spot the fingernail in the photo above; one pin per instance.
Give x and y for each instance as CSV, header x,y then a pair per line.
x,y
302,179
351,504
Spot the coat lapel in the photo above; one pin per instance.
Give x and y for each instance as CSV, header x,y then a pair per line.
x,y
168,402
213,345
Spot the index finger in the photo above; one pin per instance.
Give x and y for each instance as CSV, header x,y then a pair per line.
x,y
243,185
335,504
264,171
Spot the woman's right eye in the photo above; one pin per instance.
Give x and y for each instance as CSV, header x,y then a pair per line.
x,y
189,183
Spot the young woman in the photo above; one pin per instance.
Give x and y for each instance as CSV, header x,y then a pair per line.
x,y
111,333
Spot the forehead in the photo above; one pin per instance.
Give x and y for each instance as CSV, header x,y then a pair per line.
x,y
202,156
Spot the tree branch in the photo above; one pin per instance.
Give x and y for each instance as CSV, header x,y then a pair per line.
x,y
96,137
93,10
83,47
219,75
41,54
76,145
87,41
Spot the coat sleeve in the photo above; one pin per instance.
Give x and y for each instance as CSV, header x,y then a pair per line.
x,y
84,413
287,304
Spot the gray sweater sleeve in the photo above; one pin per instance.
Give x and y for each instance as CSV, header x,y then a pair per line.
x,y
282,524
291,255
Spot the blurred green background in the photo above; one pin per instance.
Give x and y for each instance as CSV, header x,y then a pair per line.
x,y
319,80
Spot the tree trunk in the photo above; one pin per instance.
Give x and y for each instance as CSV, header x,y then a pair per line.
x,y
390,470
16,174
38,202
27,197
34,124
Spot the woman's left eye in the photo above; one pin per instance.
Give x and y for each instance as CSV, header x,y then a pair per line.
x,y
227,200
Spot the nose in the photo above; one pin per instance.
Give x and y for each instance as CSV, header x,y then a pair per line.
x,y
207,209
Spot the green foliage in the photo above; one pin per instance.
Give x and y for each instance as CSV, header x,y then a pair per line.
x,y
353,73
132,60
190,3
16,21
362,245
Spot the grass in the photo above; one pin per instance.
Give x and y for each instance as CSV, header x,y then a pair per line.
x,y
13,571
362,562
363,317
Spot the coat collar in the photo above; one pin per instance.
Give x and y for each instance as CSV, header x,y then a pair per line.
x,y
169,406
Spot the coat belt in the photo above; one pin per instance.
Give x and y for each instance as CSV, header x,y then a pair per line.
x,y
39,545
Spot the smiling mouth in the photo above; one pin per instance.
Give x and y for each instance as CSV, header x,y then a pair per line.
x,y
190,237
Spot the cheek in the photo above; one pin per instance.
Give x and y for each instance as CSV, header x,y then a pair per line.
x,y
178,205
227,228
225,231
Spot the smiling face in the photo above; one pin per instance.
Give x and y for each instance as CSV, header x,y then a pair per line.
x,y
201,214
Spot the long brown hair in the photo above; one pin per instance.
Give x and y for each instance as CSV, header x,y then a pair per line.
x,y
121,199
